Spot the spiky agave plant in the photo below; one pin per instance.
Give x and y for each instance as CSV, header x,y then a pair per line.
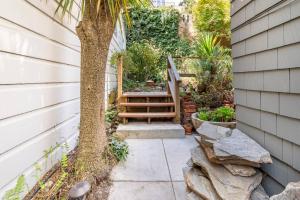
x,y
95,30
211,53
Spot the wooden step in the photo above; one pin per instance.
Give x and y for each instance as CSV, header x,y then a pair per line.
x,y
146,94
138,104
148,115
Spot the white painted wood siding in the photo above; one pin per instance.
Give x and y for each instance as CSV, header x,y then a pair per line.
x,y
39,86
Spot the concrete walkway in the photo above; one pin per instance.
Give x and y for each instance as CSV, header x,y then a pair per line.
x,y
153,170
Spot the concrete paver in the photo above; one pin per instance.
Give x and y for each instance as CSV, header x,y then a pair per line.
x,y
145,157
153,170
178,153
180,191
141,191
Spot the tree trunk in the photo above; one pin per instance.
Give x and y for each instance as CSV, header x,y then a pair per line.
x,y
95,34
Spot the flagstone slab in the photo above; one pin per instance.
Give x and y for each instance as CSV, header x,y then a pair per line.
x,y
146,162
141,191
259,194
178,152
212,132
239,145
240,170
291,192
227,186
223,160
193,196
199,184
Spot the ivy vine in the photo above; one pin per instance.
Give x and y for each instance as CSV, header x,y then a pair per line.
x,y
160,27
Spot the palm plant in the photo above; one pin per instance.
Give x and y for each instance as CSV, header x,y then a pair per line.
x,y
95,30
214,59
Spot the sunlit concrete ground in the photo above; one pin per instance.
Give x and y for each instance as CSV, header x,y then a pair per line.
x,y
153,170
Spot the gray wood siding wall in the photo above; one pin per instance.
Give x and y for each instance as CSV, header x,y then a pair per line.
x,y
266,65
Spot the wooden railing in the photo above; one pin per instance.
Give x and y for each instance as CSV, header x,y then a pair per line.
x,y
173,85
120,80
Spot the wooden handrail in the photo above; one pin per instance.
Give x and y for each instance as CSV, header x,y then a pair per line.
x,y
187,75
171,65
186,57
173,85
120,77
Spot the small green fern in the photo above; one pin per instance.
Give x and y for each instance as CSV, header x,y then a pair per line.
x,y
14,193
38,172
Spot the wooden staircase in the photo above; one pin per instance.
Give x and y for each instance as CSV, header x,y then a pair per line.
x,y
147,105
151,105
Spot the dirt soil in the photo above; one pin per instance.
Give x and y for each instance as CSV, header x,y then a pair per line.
x,y
100,186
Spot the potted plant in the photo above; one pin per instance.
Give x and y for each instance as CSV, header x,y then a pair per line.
x,y
222,116
188,127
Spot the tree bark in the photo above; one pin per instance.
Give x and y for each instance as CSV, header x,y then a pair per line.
x,y
95,33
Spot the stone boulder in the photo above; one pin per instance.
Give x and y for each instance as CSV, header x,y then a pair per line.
x,y
227,186
240,170
239,145
210,133
199,184
291,192
223,160
259,194
193,196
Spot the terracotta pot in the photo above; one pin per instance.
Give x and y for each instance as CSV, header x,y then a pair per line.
x,y
190,110
188,103
187,114
190,106
188,128
186,97
197,122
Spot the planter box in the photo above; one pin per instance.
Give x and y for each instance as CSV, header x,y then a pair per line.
x,y
197,122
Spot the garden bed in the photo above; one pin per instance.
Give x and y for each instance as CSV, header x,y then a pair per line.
x,y
223,116
197,122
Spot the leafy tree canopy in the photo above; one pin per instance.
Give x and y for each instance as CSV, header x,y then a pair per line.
x,y
213,16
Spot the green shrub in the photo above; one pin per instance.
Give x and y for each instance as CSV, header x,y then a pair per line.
x,y
119,148
213,16
213,71
141,62
111,114
221,114
203,115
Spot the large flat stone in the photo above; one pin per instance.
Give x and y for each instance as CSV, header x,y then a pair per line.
x,y
178,152
239,145
199,184
240,170
227,186
141,191
291,192
193,196
223,160
146,162
259,194
209,131
140,130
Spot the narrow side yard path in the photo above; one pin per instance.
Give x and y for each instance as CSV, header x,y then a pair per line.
x,y
153,170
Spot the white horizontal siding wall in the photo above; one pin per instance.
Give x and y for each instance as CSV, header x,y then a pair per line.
x,y
39,86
